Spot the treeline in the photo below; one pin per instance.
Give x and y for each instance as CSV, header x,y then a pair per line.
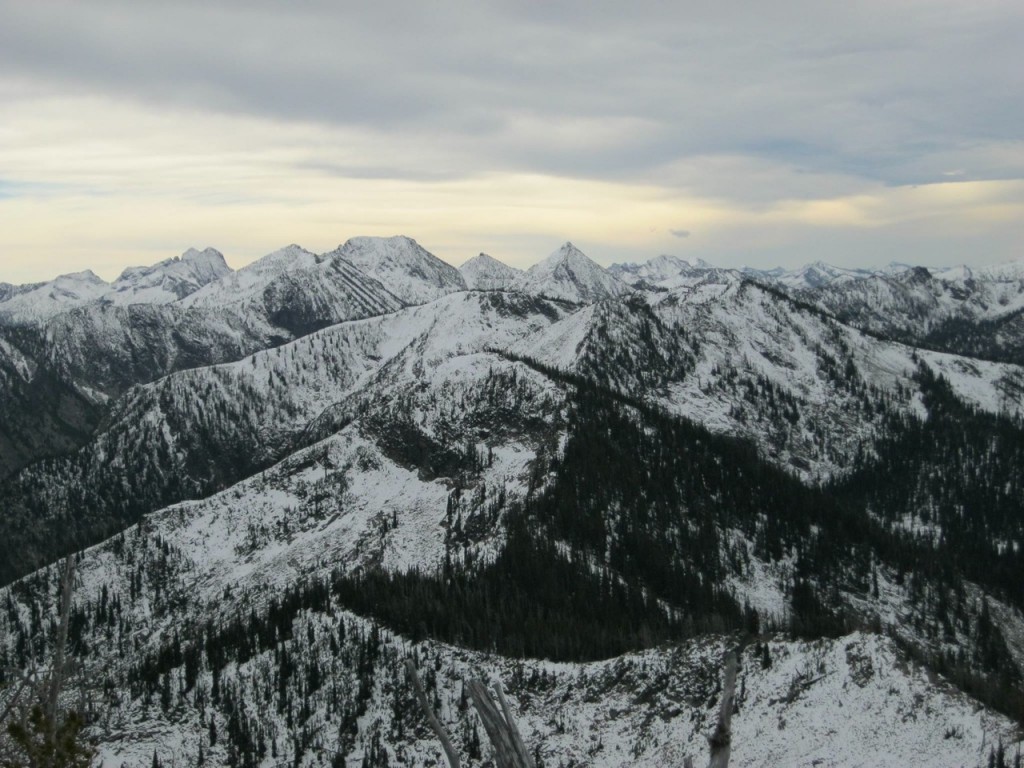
x,y
625,544
531,601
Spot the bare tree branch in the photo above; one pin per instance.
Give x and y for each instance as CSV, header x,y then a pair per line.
x,y
721,739
517,739
435,724
501,731
60,651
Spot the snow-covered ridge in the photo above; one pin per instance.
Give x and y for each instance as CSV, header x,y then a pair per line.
x,y
170,280
45,300
252,279
809,276
667,272
659,268
162,283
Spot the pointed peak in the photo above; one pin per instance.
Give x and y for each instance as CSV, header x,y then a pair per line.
x,y
570,274
568,253
485,259
568,249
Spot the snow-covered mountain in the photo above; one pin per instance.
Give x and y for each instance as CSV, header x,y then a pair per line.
x,y
409,271
67,369
1009,271
37,303
663,267
332,687
296,291
249,283
169,280
305,472
669,272
9,290
810,276
162,283
485,273
979,312
570,275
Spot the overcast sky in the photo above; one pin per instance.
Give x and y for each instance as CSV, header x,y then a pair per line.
x,y
741,132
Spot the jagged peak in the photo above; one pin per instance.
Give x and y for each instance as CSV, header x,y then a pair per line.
x,y
200,266
918,274
204,256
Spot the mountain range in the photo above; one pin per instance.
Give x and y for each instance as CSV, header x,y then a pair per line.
x,y
281,482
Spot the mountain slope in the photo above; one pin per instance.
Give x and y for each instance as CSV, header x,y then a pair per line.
x,y
69,368
196,431
622,485
296,291
284,651
748,361
971,312
668,272
248,283
315,682
818,275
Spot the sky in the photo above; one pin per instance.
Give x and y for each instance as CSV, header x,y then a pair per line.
x,y
743,133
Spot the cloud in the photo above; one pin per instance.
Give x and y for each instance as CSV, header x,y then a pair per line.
x,y
681,233
593,91
724,114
